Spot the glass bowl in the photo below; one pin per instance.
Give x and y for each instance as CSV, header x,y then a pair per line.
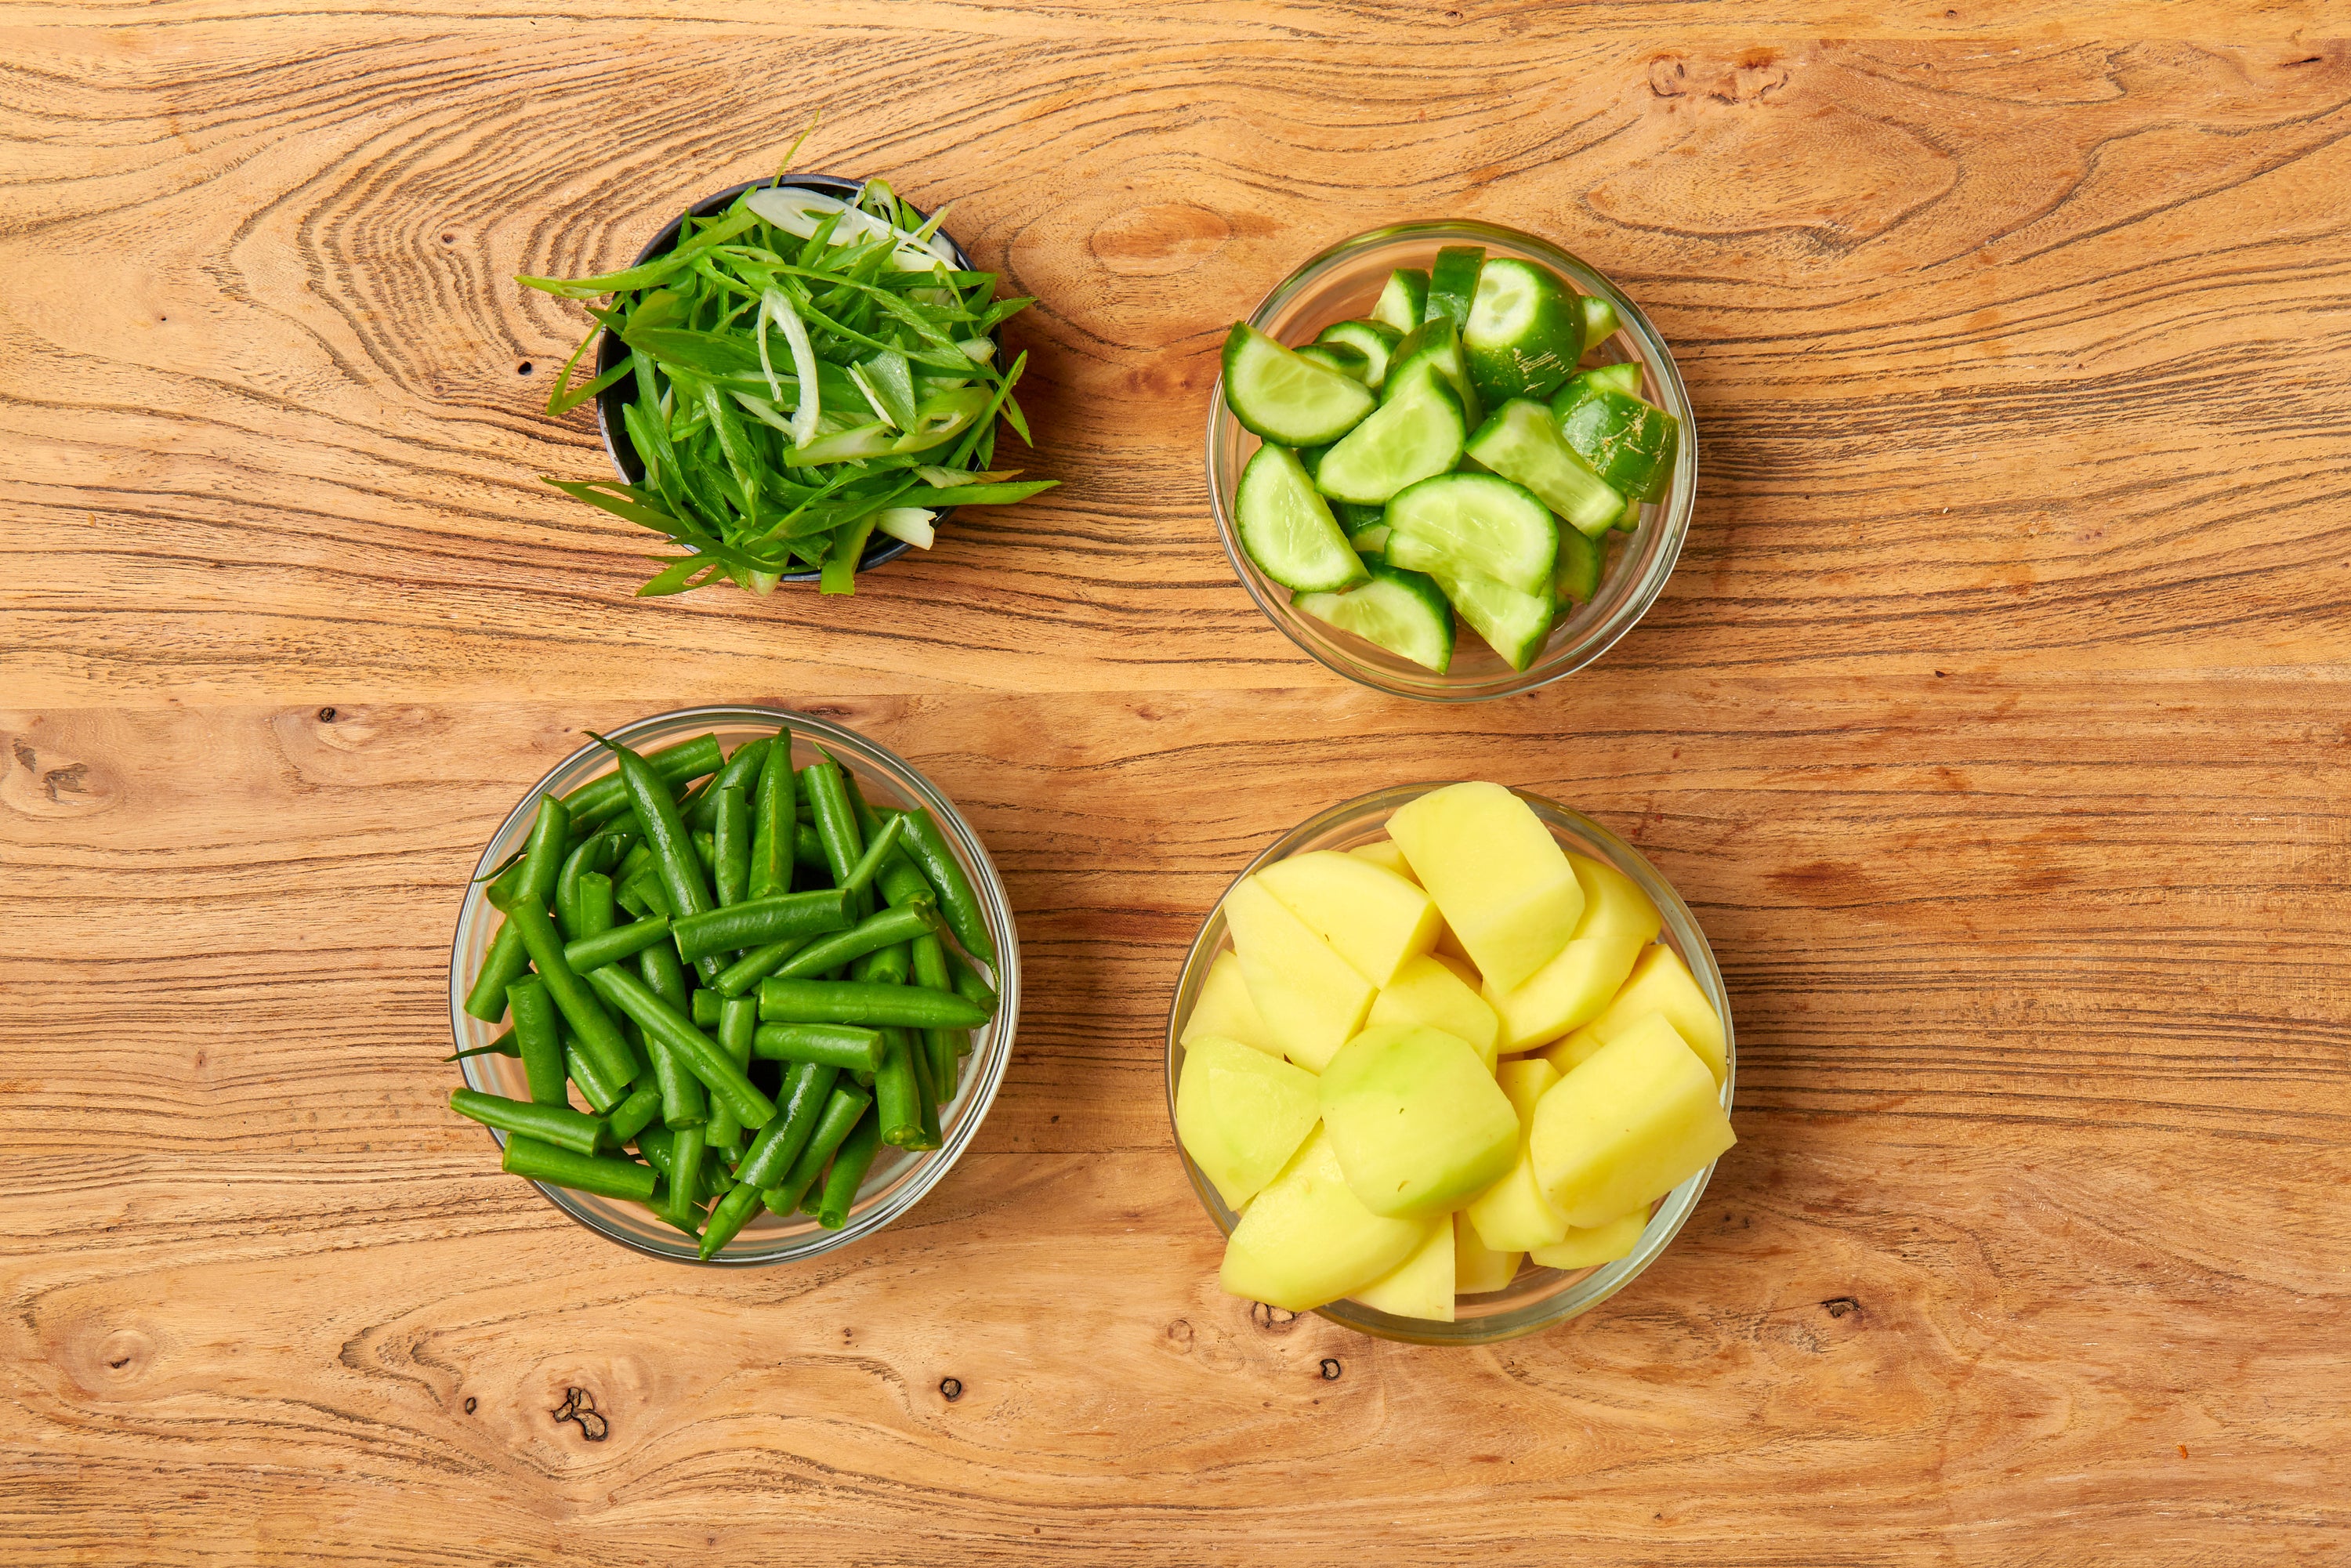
x,y
1539,1297
1343,283
899,1178
611,352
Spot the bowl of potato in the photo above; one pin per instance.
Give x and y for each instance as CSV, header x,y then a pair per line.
x,y
1448,1065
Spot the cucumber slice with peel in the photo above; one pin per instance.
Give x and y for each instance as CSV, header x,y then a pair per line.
x,y
1287,399
1287,529
1475,525
1577,577
1409,438
1515,625
1372,540
1403,611
1629,443
1403,300
1453,283
1525,332
1344,358
1521,443
1375,340
1435,348
1600,321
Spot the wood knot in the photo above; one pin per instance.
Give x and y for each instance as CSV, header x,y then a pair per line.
x,y
1330,1369
579,1406
1838,1306
1272,1318
1667,77
1179,1333
326,715
470,1403
950,1389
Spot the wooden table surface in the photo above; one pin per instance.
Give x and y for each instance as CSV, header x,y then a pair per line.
x,y
1995,723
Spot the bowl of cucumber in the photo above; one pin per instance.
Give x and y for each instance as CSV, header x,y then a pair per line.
x,y
1450,460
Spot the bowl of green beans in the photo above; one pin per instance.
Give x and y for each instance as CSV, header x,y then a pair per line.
x,y
733,985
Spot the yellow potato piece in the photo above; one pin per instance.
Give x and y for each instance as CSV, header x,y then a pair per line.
x,y
1427,990
1306,1242
1422,1285
1241,1114
1374,919
1575,987
1418,1122
1513,1215
1384,853
1312,1001
1224,1009
1638,1119
1600,1244
1478,1268
1501,880
1660,982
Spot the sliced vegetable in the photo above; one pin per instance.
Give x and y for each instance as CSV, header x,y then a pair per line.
x,y
1475,525
1629,443
1284,398
1348,361
1514,625
1577,577
1403,612
1287,527
1525,332
1375,340
1414,436
1453,283
1521,443
1404,299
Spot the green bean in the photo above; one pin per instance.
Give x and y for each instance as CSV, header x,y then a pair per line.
x,y
739,1020
632,1116
683,1209
502,965
877,850
741,772
608,797
883,966
847,1001
730,846
683,1102
674,856
702,1055
593,905
808,848
705,1008
946,1046
756,966
706,850
769,920
946,874
504,1045
773,821
836,825
657,963
542,858
848,1174
659,1146
559,1124
620,942
591,1025
971,986
927,1089
929,957
727,1216
902,884
807,1089
604,1173
874,932
602,1092
638,858
896,1092
843,1110
598,851
644,893
836,1045
539,1040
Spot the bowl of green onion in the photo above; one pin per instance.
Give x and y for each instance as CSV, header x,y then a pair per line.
x,y
797,379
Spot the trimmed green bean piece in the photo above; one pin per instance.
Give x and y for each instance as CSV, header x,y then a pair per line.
x,y
756,965
674,765
756,925
946,874
632,1116
598,851
877,850
727,1217
661,1022
542,859
559,1124
848,1174
592,906
848,1001
643,894
874,932
659,1146
605,1174
807,1091
683,1209
896,1095
682,1103
946,1046
659,968
666,831
836,824
807,849
918,1049
884,965
730,846
638,858
835,1045
599,1092
539,1040
929,956
504,1045
739,1020
611,947
773,821
501,965
902,885
741,772
705,1009
591,1025
971,986
843,1110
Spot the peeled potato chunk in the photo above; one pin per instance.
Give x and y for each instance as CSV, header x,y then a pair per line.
x,y
1384,853
1600,1244
1478,1268
1417,1121
1307,1240
1513,1215
1241,1114
1373,918
1575,988
1629,1125
1224,1009
1502,882
1427,990
1660,982
1422,1285
1311,999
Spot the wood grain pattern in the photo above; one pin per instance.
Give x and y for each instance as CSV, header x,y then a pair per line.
x,y
1994,724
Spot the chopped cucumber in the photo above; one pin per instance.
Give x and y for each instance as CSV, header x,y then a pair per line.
x,y
1453,283
1375,340
1348,361
1435,348
1521,443
1413,435
1525,332
1403,611
1311,458
1585,385
1515,625
1403,300
1624,378
1577,577
1355,517
1599,322
1372,540
1630,443
1631,521
1286,528
1475,525
1287,399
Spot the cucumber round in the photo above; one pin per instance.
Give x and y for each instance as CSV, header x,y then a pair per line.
x,y
1525,332
1475,525
1287,529
1408,439
1403,611
1375,340
1453,282
1515,625
1404,299
1344,358
1287,400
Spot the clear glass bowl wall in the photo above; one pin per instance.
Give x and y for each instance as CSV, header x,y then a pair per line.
x,y
1538,1297
898,1179
1343,283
